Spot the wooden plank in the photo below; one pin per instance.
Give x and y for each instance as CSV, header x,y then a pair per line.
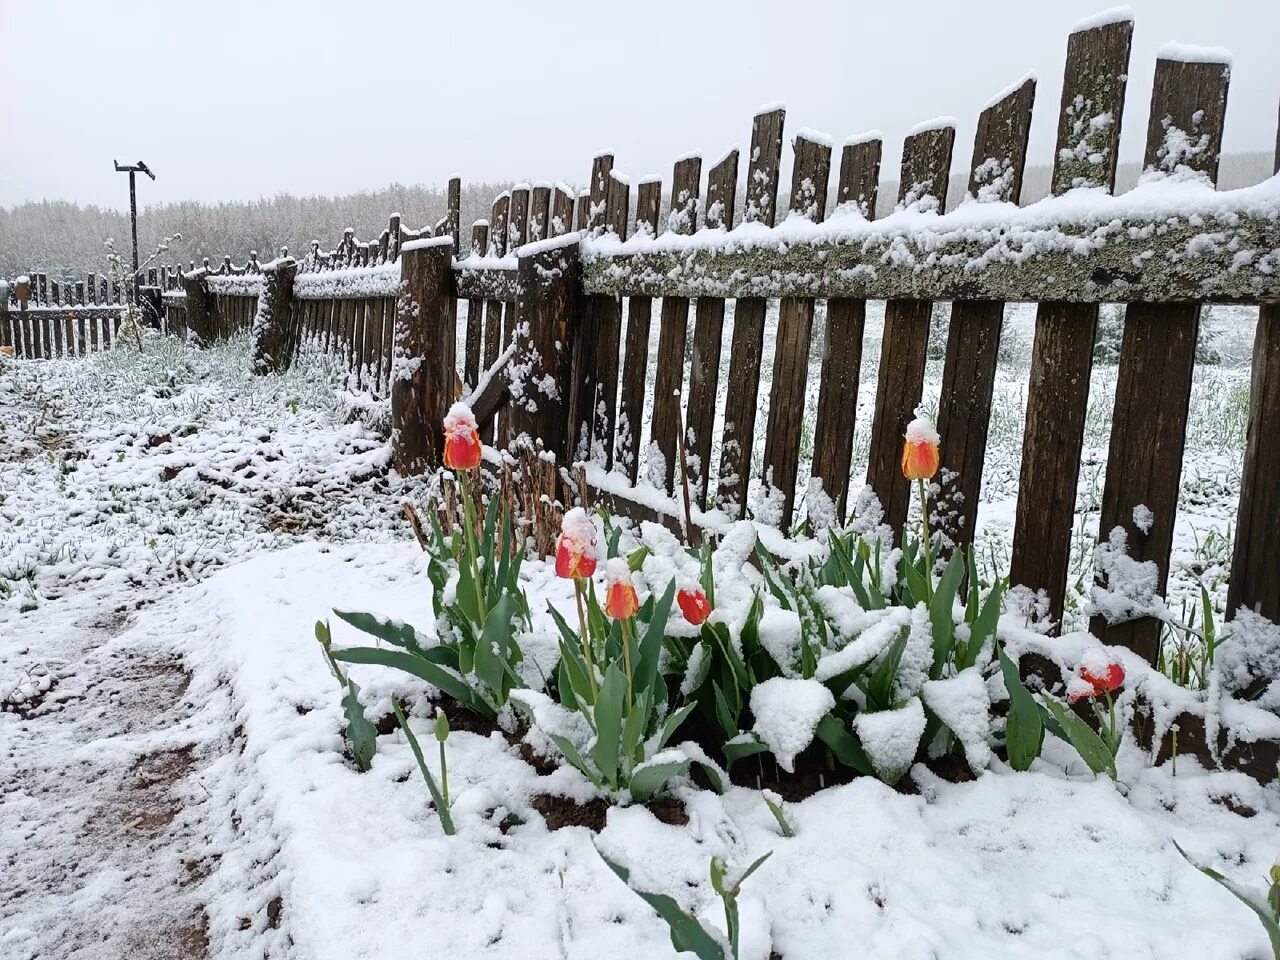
x,y
708,334
973,335
1157,356
518,225
1092,107
673,326
422,384
372,342
453,216
1255,575
842,344
561,210
581,210
475,310
358,308
493,309
584,362
539,212
607,320
811,172
926,167
636,363
748,322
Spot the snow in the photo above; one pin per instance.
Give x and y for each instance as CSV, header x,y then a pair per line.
x,y
460,421
1046,863
1129,588
787,712
426,243
922,430
382,280
1028,77
935,123
235,285
769,108
1103,18
964,705
550,243
815,136
891,737
866,136
1190,53
1143,518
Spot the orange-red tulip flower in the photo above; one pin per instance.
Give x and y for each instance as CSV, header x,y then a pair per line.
x,y
1095,679
620,600
694,605
461,439
920,450
576,548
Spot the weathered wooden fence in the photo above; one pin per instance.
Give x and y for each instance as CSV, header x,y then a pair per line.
x,y
559,290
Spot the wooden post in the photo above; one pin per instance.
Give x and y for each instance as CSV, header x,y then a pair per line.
x,y
1157,357
708,335
973,336
454,216
904,346
1255,574
842,345
495,309
561,210
550,283
810,174
606,314
6,331
1062,355
635,367
539,212
673,329
475,309
425,348
748,323
201,316
582,394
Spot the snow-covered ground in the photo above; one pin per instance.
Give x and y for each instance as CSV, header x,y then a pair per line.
x,y
171,528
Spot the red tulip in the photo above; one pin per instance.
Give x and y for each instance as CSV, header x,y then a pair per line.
x,y
694,605
1104,681
920,456
575,550
461,439
621,601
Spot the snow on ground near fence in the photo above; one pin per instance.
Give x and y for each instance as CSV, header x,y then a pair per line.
x,y
173,506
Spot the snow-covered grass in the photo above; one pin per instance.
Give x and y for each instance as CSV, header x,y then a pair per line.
x,y
276,509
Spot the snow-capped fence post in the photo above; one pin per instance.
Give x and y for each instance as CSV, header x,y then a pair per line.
x,y
1157,356
837,412
636,363
606,322
582,392
272,332
673,326
1062,354
904,346
422,375
708,334
6,334
200,308
811,173
539,211
973,335
546,314
745,351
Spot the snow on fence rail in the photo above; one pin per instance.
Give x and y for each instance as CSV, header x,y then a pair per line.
x,y
548,276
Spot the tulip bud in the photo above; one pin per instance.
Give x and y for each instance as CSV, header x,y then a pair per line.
x,y
694,605
576,548
620,600
442,725
462,445
920,457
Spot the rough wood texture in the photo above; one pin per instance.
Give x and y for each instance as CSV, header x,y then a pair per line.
x,y
453,218
493,308
973,335
545,311
518,225
580,210
561,212
1157,354
598,194
809,176
272,343
200,309
1255,572
926,165
635,366
1062,355
842,343
607,321
539,212
745,350
674,326
422,379
708,334
475,310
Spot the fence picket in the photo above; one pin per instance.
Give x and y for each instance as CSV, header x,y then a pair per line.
x,y
636,364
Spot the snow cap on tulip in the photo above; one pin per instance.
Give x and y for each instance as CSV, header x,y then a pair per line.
x,y
620,601
576,548
460,421
920,457
462,447
922,430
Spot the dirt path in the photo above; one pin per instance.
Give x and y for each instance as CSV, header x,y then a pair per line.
x,y
100,795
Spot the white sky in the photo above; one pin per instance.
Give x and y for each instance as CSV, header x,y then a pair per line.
x,y
250,99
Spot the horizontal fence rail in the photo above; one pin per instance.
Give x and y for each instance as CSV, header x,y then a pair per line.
x,y
542,319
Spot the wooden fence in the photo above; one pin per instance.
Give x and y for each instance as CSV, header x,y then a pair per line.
x,y
559,292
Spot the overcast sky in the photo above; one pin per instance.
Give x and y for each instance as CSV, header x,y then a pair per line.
x,y
250,99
